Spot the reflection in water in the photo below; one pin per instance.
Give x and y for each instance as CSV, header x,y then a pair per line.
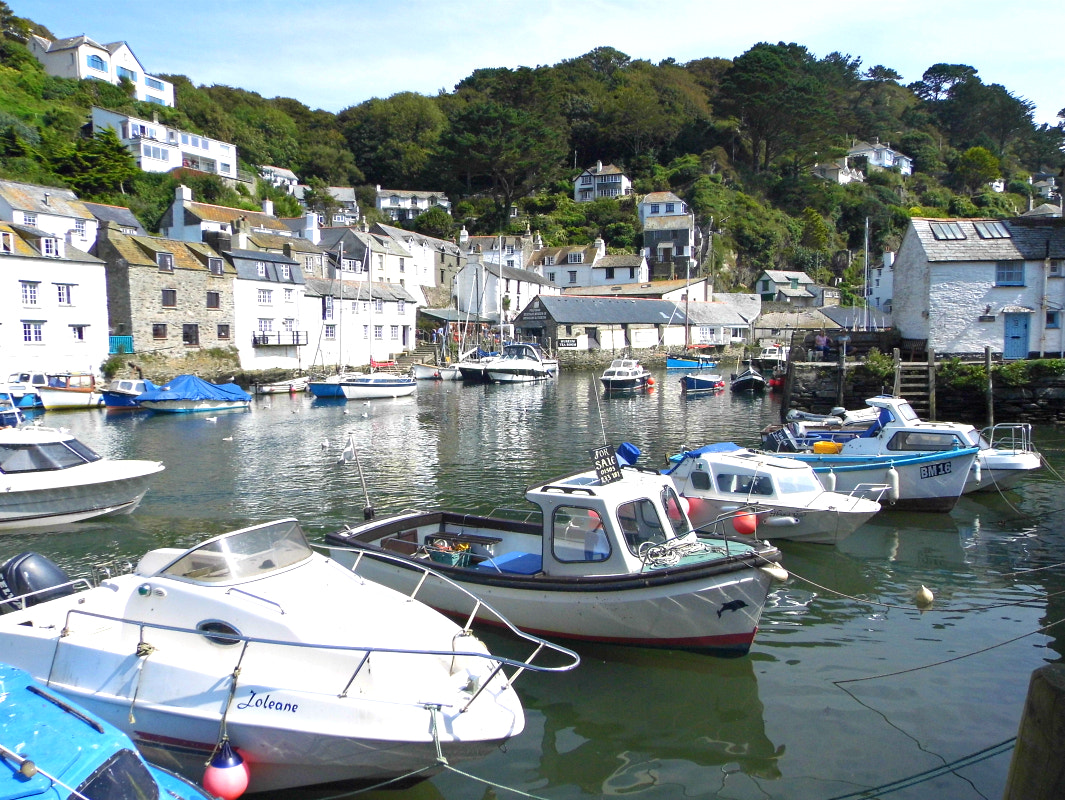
x,y
629,719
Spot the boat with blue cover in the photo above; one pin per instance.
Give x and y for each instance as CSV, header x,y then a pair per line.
x,y
189,393
53,749
124,392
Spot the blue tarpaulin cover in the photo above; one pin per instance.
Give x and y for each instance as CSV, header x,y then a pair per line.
x,y
189,387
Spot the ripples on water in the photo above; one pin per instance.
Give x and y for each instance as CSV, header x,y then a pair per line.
x,y
782,722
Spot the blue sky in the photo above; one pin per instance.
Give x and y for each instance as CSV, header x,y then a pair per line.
x,y
332,55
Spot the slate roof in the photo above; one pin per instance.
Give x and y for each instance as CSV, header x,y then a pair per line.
x,y
244,261
141,251
700,313
561,255
271,241
669,223
654,289
357,290
660,197
24,243
607,169
799,319
620,260
515,274
1029,240
120,215
572,310
206,212
43,200
425,241
786,276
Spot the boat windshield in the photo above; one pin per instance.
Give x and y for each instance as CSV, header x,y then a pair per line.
x,y
122,777
674,512
44,456
797,481
244,554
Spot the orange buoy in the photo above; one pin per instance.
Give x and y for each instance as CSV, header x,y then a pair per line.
x,y
746,524
650,381
226,775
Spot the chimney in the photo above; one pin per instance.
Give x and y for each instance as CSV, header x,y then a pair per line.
x,y
183,193
538,241
311,231
464,237
268,206
600,246
240,233
598,166
889,259
46,196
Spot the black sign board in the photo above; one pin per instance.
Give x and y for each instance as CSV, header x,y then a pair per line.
x,y
567,343
606,465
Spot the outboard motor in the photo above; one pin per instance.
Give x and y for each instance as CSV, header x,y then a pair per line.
x,y
31,572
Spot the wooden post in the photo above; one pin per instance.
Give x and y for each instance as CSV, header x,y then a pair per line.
x,y
931,384
896,360
842,371
990,388
1037,771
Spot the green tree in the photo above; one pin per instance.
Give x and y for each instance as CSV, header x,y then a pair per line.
x,y
436,223
97,165
393,140
976,167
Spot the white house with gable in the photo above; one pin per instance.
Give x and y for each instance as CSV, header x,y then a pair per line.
x,y
58,212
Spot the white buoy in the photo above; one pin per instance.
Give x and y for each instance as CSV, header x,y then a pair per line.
x,y
893,484
924,597
210,419
829,481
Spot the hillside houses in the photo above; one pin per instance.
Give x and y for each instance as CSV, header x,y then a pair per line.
x,y
599,182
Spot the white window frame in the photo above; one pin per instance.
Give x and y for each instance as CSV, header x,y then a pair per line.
x,y
64,293
29,292
265,297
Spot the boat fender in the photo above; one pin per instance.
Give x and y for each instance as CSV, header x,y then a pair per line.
x,y
775,571
893,485
650,381
226,775
747,524
829,481
976,470
780,522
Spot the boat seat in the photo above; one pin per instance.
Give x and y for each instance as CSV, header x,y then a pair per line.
x,y
516,563
405,543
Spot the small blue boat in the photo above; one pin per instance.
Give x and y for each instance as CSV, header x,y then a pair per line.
x,y
123,392
690,361
702,383
52,749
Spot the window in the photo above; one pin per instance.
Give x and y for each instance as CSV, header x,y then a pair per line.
x,y
572,275
365,331
260,269
165,262
640,523
289,295
288,324
575,258
286,271
1009,273
190,333
1057,265
79,332
327,307
655,208
128,74
402,265
214,300
632,272
549,261
33,332
610,273
29,219
378,305
159,330
578,535
29,293
330,331
991,230
63,290
379,332
395,333
79,227
96,63
152,83
151,151
223,331
224,168
7,242
266,296
1053,319
169,298
669,208
946,231
510,249
401,307
50,247
586,180
265,325
214,266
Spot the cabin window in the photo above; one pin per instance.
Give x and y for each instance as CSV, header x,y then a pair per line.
x,y
46,456
578,535
744,484
911,441
700,481
639,522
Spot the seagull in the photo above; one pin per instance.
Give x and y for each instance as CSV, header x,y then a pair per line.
x,y
346,411
210,419
227,438
325,443
365,414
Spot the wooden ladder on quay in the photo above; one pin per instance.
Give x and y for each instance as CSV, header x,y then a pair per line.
x,y
916,381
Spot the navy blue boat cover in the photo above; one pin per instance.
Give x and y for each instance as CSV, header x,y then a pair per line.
x,y
189,387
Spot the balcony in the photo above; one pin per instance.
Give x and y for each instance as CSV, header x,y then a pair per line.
x,y
119,345
279,339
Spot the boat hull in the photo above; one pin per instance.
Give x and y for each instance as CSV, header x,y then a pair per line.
x,y
58,399
1000,470
518,375
702,384
681,362
431,372
282,387
375,388
194,406
917,482
97,489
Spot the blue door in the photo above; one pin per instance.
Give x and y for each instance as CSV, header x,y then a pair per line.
x,y
1016,344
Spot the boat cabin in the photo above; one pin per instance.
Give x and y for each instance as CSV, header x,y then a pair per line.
x,y
41,450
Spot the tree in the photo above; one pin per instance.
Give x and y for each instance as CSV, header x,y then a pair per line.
x,y
316,198
939,79
976,167
96,166
436,223
393,140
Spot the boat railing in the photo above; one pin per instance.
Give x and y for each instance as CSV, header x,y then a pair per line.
x,y
362,653
1015,436
20,602
478,608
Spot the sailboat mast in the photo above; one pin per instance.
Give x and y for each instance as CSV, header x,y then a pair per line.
x,y
865,282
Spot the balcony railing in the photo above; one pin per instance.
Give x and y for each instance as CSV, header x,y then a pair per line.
x,y
120,344
279,339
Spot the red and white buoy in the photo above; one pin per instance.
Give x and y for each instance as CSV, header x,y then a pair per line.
x,y
226,775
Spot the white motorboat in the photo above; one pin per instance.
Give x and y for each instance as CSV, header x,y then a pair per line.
x,y
290,386
626,375
312,673
1006,452
48,477
70,390
612,558
521,363
189,393
22,387
378,385
784,495
433,372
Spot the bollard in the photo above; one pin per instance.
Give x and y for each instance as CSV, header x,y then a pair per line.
x,y
1037,771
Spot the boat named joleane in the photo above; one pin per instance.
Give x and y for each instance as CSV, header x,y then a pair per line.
x,y
312,673
613,558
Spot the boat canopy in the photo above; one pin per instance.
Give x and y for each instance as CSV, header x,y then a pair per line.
x,y
189,387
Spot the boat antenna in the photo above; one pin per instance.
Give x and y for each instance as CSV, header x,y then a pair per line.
x,y
351,453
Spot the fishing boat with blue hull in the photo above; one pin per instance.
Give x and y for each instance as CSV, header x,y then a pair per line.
x,y
124,392
690,360
313,673
611,557
52,749
189,393
696,383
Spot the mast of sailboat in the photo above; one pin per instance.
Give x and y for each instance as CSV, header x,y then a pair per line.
x,y
865,282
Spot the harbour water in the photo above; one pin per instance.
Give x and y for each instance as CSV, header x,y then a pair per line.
x,y
849,691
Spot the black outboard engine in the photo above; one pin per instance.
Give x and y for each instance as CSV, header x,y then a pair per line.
x,y
31,572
